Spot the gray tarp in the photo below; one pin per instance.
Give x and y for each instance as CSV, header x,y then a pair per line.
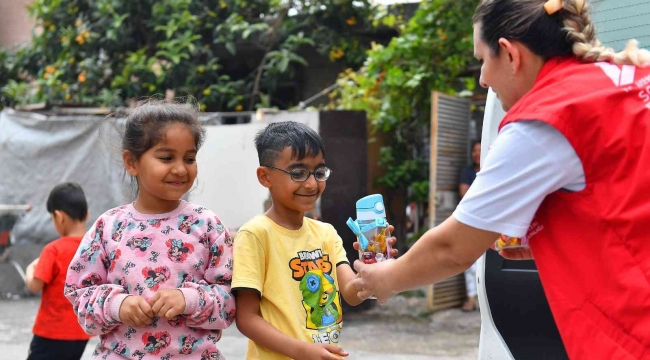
x,y
38,152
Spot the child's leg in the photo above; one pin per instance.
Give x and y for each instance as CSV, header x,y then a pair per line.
x,y
49,349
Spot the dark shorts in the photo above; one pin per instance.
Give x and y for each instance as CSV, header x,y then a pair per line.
x,y
49,349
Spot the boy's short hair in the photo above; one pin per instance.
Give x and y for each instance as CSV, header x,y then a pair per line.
x,y
274,138
70,199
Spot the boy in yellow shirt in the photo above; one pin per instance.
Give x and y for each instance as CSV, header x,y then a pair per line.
x,y
290,271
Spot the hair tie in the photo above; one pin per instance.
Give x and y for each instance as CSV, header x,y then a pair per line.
x,y
553,6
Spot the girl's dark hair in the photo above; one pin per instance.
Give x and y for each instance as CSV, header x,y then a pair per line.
x,y
569,31
147,123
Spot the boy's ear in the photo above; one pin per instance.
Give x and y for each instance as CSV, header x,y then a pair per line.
x,y
129,163
57,216
86,218
263,177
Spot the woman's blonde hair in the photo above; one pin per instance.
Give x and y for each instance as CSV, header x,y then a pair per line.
x,y
565,32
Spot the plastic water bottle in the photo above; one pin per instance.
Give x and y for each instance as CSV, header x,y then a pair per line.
x,y
371,229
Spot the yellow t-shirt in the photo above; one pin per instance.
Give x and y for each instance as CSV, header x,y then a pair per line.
x,y
295,273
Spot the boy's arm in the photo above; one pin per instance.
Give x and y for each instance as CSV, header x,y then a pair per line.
x,y
33,284
253,326
345,277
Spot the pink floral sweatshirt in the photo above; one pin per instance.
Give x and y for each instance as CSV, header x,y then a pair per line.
x,y
127,253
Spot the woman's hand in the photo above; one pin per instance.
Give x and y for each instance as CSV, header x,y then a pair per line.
x,y
372,279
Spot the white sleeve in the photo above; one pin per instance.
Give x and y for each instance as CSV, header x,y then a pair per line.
x,y
528,160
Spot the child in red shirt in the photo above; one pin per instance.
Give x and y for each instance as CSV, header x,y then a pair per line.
x,y
56,332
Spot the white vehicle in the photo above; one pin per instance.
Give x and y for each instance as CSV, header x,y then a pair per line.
x,y
511,291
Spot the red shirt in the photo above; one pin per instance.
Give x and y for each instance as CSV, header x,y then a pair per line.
x,y
592,247
56,319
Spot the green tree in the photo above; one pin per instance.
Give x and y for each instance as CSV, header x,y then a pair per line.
x,y
112,51
394,86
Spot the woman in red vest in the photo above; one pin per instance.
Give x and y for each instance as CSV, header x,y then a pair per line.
x,y
570,169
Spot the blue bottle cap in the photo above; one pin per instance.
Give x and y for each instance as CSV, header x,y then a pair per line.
x,y
371,207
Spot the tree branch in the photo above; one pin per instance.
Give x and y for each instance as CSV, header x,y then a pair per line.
x,y
260,69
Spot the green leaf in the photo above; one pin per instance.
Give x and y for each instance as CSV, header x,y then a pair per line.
x,y
283,65
389,20
265,101
297,58
231,48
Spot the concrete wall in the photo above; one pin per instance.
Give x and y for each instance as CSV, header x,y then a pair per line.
x,y
15,24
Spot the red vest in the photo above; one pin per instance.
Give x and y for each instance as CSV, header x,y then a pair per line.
x,y
592,247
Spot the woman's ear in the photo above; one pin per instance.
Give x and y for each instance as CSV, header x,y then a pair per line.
x,y
263,177
130,163
511,50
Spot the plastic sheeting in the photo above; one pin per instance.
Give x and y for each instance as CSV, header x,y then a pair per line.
x,y
38,152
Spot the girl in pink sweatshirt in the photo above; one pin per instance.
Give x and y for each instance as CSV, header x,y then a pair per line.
x,y
152,278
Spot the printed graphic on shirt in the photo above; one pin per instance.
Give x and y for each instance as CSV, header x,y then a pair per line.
x,y
188,223
624,76
139,244
109,263
155,277
209,355
178,250
90,253
320,297
99,230
310,260
118,229
188,344
216,251
155,343
120,348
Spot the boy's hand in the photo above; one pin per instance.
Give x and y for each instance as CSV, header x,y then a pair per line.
x,y
136,311
321,352
33,263
168,303
391,241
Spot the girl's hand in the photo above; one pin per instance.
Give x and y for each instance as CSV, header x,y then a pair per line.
x,y
322,352
136,311
168,303
391,241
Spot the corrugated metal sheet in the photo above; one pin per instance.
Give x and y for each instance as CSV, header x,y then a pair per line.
x,y
449,134
617,21
450,118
